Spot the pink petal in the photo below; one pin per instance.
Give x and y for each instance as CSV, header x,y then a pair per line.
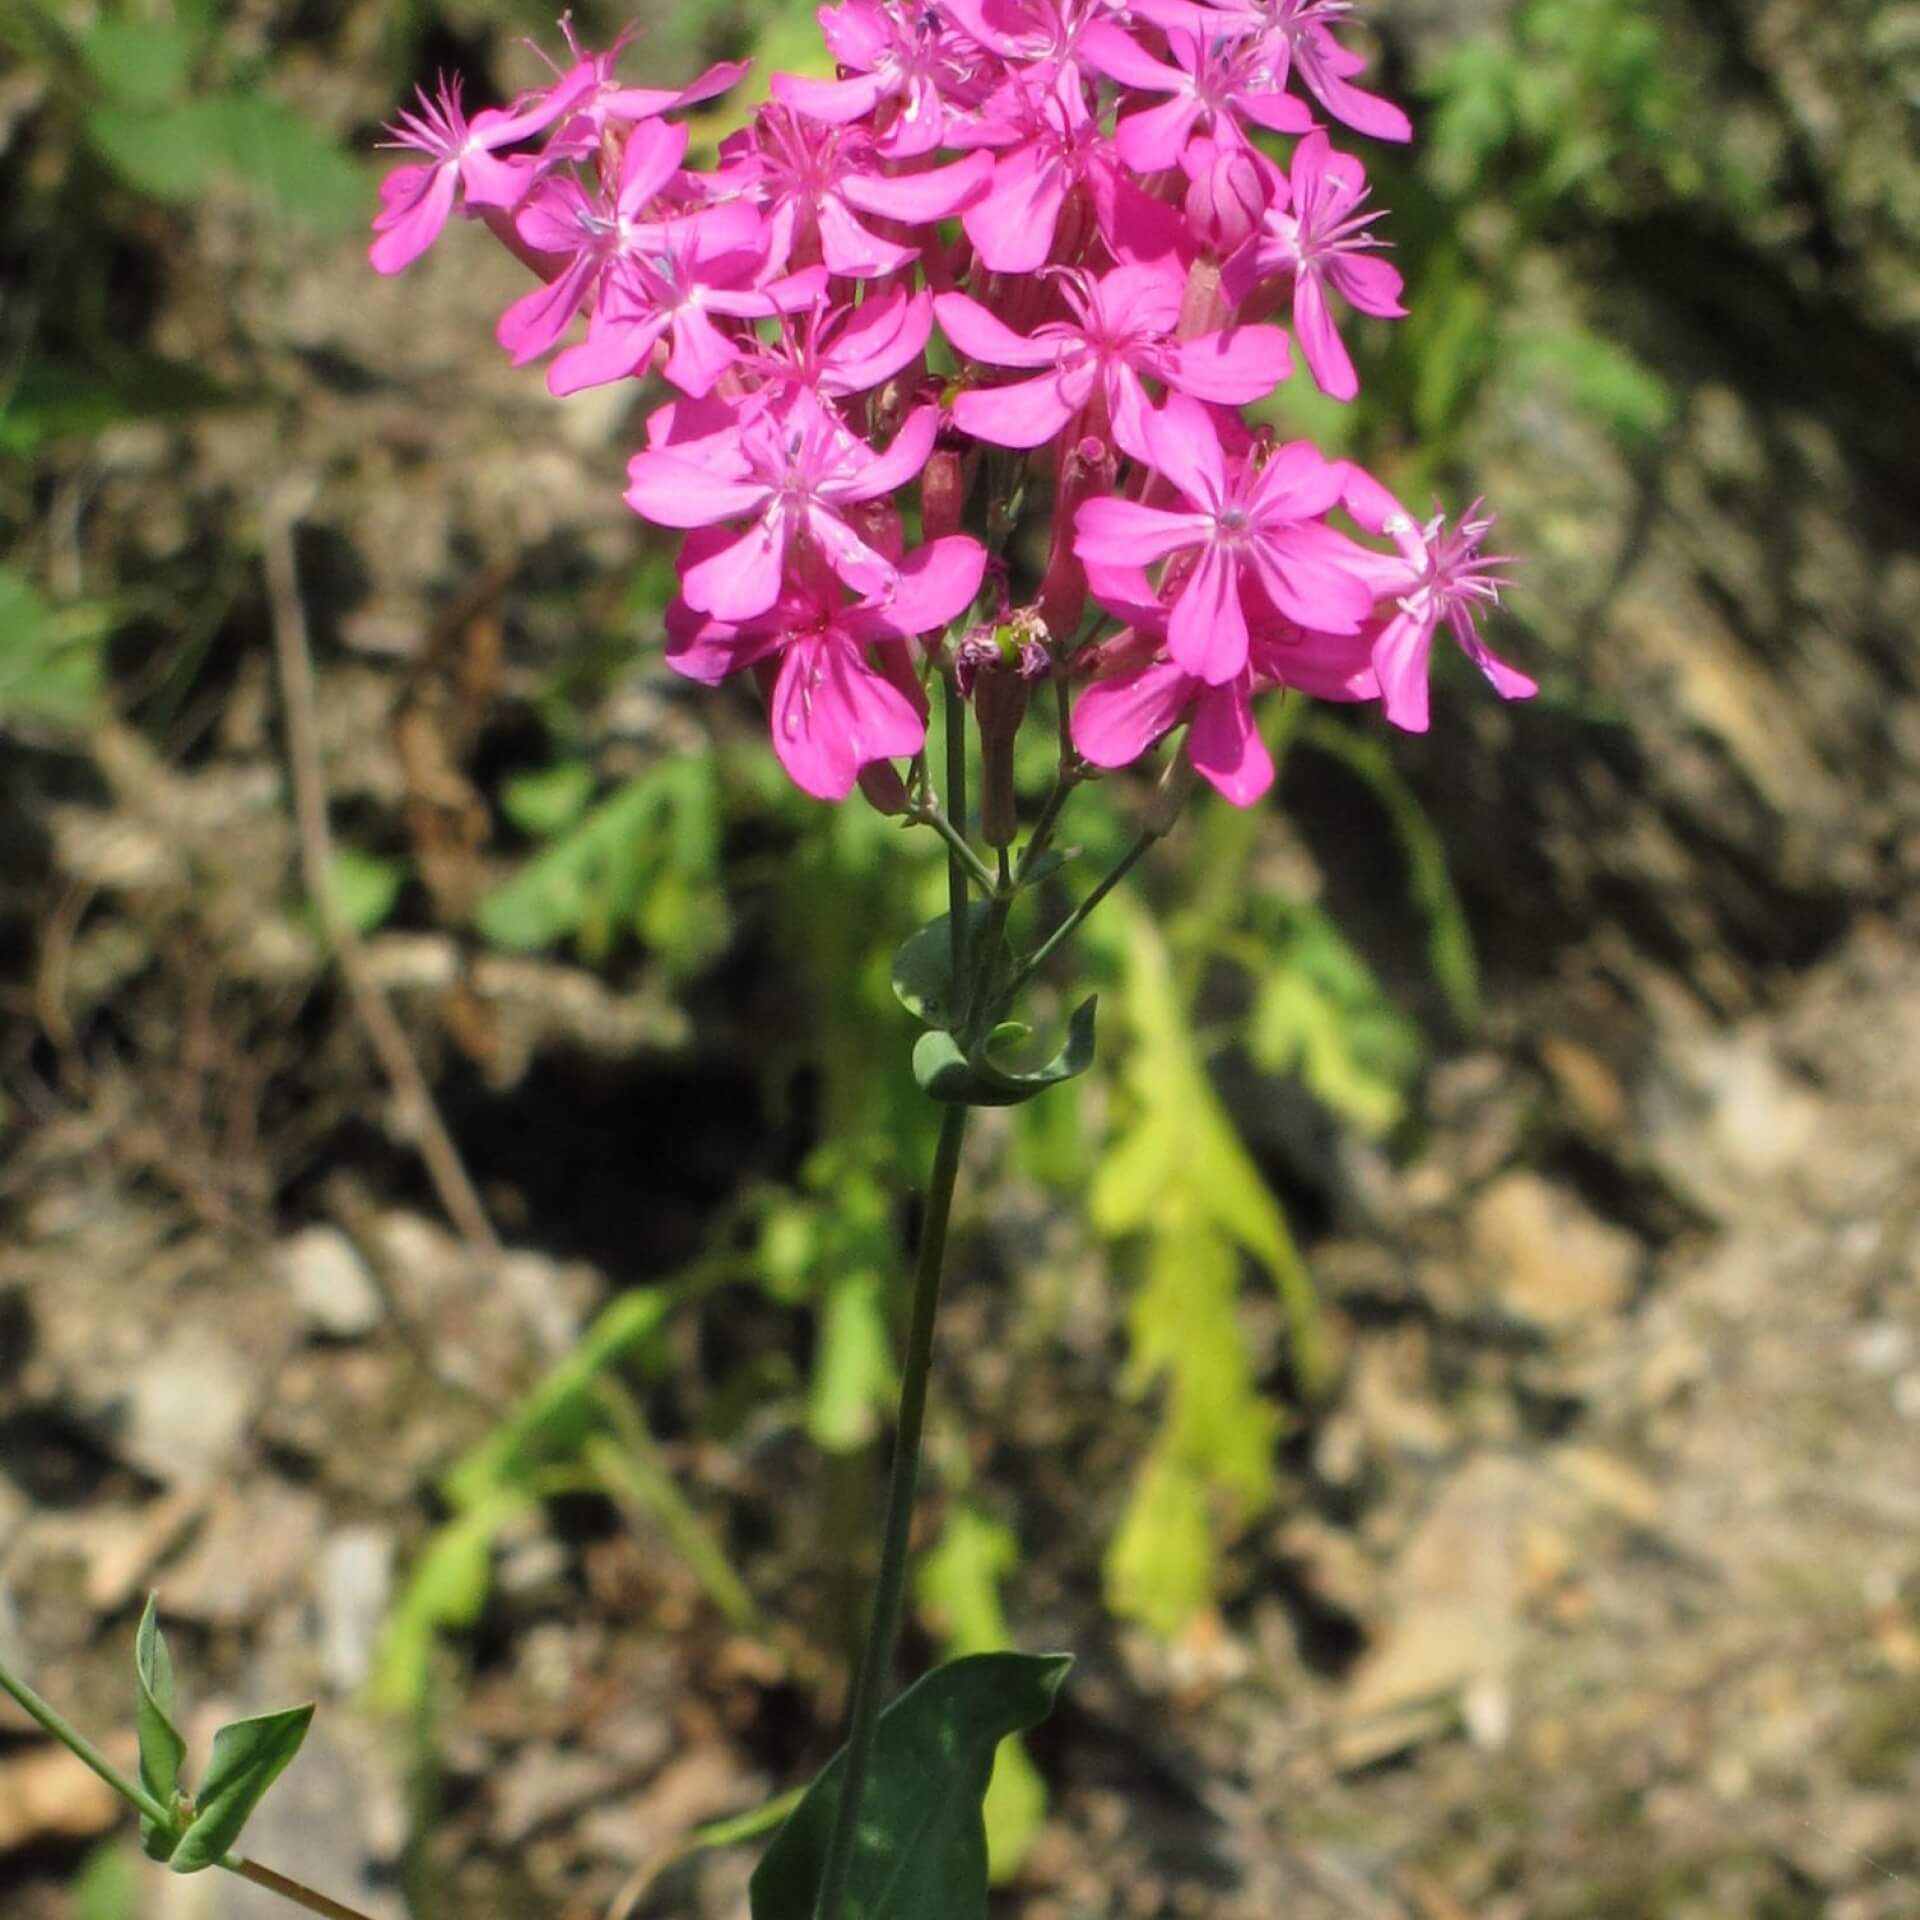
x,y
876,341
675,492
982,335
1236,367
1297,482
742,579
1157,138
1327,666
1184,445
611,351
1369,283
833,102
1028,413
1012,226
849,248
1400,655
702,648
937,583
1508,682
856,563
1123,533
904,458
1225,746
1116,721
1327,358
1207,630
1307,573
701,354
832,714
407,230
537,319
917,198
488,180
655,149
1110,50
1277,112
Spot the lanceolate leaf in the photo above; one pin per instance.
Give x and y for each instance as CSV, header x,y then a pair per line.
x,y
921,1852
163,1751
923,968
248,1757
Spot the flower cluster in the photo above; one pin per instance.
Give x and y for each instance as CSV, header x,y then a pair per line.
x,y
1019,250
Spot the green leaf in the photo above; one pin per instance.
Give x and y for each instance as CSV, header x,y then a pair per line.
x,y
248,1757
921,1849
853,1370
550,801
107,1887
948,1074
365,886
163,1749
49,661
170,153
923,967
174,152
138,63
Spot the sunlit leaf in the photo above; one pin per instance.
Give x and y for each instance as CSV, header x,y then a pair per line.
x,y
248,1757
163,1748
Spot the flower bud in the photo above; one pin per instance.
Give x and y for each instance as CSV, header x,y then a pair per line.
x,y
1088,468
943,489
994,667
882,788
1225,195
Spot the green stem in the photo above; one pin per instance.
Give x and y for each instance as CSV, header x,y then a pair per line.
x,y
971,865
876,1657
290,1890
1071,924
84,1750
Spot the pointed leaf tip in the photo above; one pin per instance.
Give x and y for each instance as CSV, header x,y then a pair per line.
x,y
163,1749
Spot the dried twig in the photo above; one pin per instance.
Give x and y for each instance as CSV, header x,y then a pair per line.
x,y
444,1165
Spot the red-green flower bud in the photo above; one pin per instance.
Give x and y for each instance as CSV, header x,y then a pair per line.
x,y
995,667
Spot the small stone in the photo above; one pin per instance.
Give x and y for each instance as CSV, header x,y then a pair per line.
x,y
46,1794
1549,1262
254,1547
352,1590
330,1283
187,1408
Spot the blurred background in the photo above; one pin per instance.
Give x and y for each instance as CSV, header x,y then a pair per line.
x,y
1451,1374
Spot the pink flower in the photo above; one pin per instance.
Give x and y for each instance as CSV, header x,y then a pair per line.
x,y
1251,524
1312,229
600,101
1120,328
894,53
1053,155
1445,579
1298,36
713,262
832,713
1120,716
813,181
793,472
415,200
836,352
1216,82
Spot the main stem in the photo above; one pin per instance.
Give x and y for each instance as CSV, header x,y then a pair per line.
x,y
876,1657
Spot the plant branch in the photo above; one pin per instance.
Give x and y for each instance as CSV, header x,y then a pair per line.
x,y
291,1890
929,813
137,1797
389,1041
1072,923
83,1749
876,1657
